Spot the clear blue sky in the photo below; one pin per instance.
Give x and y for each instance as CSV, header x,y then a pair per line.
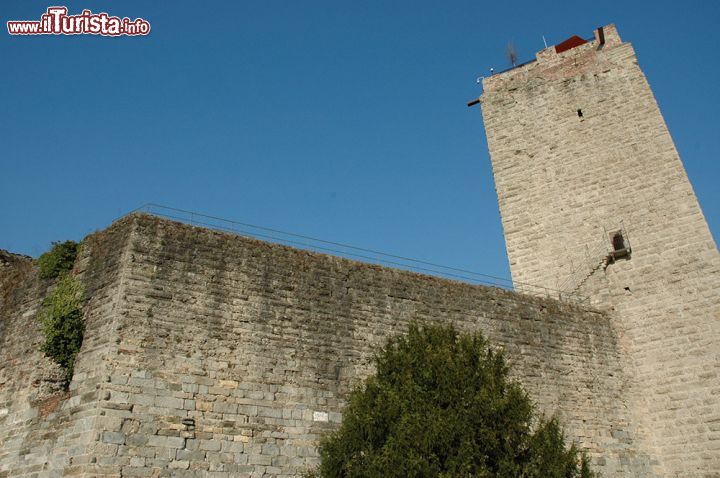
x,y
337,119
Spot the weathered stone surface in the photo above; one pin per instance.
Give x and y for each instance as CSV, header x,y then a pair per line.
x,y
579,149
248,355
207,354
46,431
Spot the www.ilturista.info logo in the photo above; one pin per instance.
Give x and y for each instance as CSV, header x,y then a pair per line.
x,y
56,21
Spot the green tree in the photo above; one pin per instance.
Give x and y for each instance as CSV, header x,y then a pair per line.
x,y
441,404
63,324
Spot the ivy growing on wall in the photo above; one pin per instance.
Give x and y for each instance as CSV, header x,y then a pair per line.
x,y
61,315
63,324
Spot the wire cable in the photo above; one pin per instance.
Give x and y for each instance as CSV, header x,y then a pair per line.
x,y
457,273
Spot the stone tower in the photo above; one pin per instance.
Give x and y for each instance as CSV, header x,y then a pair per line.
x,y
596,205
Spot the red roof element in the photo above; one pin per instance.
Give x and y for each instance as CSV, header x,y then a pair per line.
x,y
571,42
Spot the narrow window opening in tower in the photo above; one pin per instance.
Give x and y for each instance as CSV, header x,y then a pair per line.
x,y
619,245
580,115
618,242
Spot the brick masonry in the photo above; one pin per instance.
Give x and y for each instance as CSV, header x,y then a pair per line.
x,y
579,149
209,354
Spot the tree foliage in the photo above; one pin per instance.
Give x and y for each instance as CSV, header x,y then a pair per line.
x,y
62,322
58,260
441,404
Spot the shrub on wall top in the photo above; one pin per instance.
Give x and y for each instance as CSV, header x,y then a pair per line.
x,y
58,260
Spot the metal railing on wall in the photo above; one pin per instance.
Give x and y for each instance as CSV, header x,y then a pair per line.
x,y
348,251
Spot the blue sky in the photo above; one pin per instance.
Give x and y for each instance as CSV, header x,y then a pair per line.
x,y
336,119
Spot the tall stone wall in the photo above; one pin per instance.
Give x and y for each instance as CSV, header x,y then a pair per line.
x,y
45,431
209,354
580,149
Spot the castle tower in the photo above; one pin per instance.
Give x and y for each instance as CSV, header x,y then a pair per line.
x,y
596,204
